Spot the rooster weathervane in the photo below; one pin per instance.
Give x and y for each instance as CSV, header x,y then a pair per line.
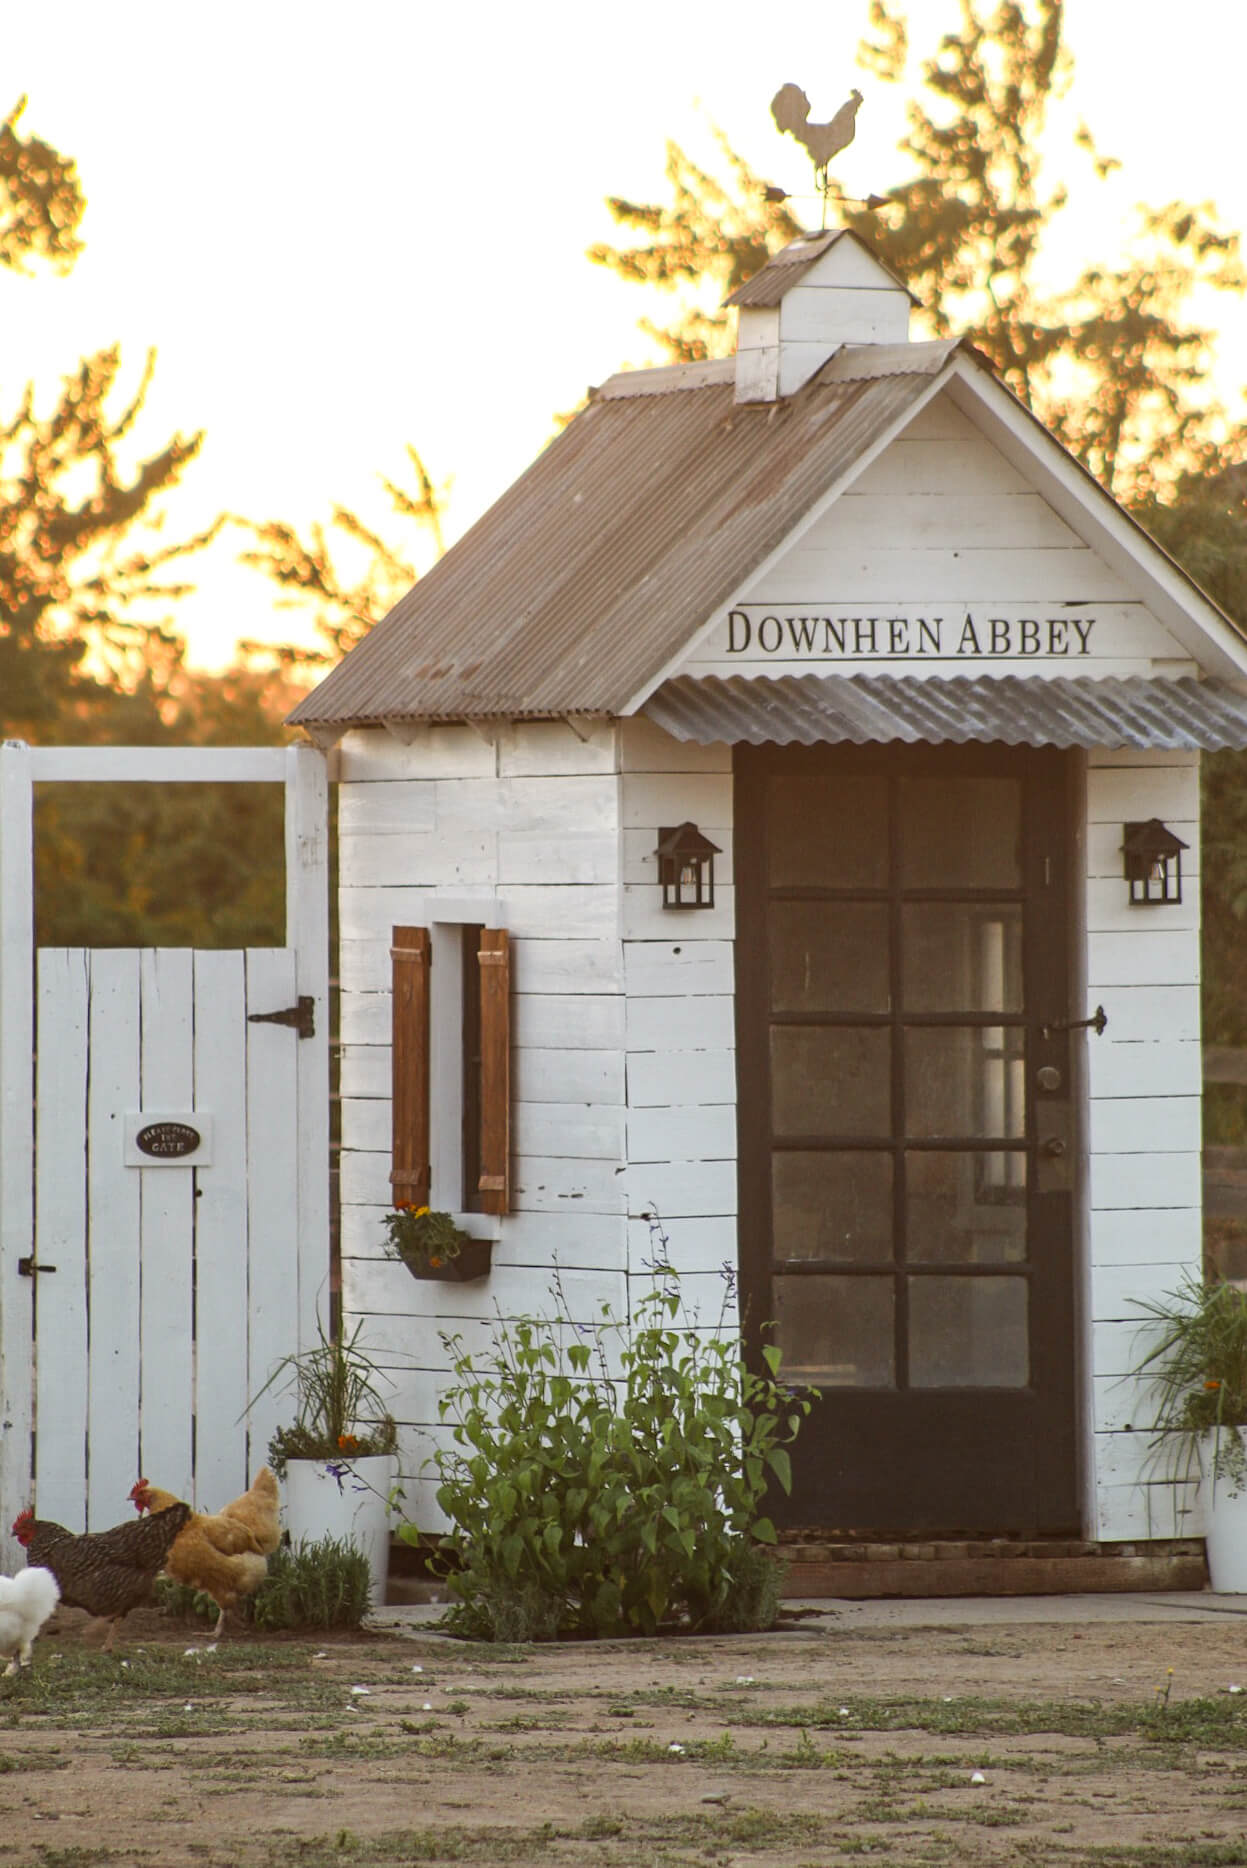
x,y
790,108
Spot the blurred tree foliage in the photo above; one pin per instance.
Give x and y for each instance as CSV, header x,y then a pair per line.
x,y
86,654
1114,362
343,607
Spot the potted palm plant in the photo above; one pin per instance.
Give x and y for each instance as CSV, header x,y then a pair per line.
x,y
1195,1361
337,1457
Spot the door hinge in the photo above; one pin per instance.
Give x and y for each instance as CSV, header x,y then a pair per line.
x,y
299,1016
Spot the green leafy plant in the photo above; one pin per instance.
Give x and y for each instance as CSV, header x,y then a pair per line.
x,y
311,1585
340,1414
1196,1365
609,1478
422,1238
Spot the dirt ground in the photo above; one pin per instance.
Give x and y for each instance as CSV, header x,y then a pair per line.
x,y
833,1740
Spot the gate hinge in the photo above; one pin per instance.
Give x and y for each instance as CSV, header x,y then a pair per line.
x,y
299,1016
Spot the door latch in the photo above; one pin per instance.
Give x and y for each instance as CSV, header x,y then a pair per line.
x,y
27,1267
1097,1021
300,1016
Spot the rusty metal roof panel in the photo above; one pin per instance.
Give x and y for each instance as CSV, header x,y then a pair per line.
x,y
1159,714
667,379
579,585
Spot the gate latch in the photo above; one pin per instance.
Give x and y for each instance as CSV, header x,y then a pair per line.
x,y
299,1016
26,1267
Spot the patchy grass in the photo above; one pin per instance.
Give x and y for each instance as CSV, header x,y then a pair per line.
x,y
809,1753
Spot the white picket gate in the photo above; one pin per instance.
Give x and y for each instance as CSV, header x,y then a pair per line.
x,y
145,1298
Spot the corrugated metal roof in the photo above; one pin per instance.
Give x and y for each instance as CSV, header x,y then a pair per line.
x,y
783,270
667,379
789,266
649,510
1134,711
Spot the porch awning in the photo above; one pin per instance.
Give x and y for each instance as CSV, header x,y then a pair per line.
x,y
1020,711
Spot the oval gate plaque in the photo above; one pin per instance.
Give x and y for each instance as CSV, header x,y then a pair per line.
x,y
167,1140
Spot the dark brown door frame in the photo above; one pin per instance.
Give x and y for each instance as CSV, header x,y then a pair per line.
x,y
883,1460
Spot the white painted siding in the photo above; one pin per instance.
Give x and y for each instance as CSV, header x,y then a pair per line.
x,y
680,1026
1144,1220
939,528
524,823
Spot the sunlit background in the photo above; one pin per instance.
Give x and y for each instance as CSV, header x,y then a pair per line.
x,y
345,230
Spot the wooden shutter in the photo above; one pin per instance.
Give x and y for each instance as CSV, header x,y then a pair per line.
x,y
494,1184
410,958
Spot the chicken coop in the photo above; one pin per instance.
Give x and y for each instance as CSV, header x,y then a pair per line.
x,y
774,830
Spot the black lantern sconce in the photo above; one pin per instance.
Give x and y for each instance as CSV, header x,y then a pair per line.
x,y
1153,863
686,867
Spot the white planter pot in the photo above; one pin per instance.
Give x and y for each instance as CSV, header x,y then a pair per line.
x,y
348,1500
1225,1515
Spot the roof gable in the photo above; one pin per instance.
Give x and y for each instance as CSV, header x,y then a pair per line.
x,y
594,575
940,558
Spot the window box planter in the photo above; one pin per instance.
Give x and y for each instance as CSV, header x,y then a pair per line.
x,y
472,1261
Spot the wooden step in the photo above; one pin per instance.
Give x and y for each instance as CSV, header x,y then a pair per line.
x,y
856,1571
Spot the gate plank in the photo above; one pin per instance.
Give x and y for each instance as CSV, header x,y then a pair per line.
x,y
307,932
221,1391
272,1211
60,1296
113,1201
16,1130
167,1226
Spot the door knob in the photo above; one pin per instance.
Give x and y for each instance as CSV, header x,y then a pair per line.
x,y
1054,1146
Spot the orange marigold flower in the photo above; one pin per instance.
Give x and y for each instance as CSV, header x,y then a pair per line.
x,y
1212,1384
347,1441
435,1263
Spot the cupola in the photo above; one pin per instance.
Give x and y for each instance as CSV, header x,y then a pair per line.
x,y
822,291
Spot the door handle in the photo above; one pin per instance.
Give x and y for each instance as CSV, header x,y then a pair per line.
x,y
1097,1022
1054,1146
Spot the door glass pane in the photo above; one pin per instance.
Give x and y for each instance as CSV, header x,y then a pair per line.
x,y
830,1081
960,833
832,1206
961,957
829,957
828,833
965,1081
968,1333
968,1207
836,1332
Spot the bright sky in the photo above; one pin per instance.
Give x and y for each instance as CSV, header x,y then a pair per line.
x,y
344,229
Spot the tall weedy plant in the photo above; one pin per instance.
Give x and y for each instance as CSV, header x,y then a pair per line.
x,y
609,1478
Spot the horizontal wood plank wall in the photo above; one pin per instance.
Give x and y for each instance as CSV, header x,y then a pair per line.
x,y
1143,1075
942,525
679,1034
527,818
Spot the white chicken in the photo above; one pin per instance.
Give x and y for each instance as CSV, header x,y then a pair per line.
x,y
26,1601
